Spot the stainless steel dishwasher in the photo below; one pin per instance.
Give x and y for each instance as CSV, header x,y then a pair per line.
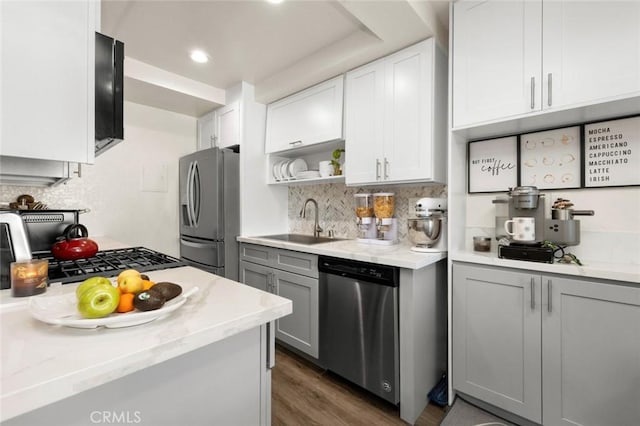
x,y
359,324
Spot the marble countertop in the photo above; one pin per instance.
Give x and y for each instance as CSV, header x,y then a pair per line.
x,y
626,272
398,255
41,364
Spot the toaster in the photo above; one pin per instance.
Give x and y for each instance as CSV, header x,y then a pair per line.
x,y
14,244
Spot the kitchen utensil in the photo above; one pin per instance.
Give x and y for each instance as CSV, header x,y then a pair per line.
x,y
425,231
502,215
62,310
75,244
307,174
14,244
524,229
481,243
296,166
568,214
525,197
325,168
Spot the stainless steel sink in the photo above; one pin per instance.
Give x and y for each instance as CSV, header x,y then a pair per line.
x,y
300,238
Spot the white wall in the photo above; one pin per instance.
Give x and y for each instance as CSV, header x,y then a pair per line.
x,y
612,235
112,188
263,207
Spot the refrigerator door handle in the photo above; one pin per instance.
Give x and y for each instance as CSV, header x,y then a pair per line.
x,y
196,194
188,189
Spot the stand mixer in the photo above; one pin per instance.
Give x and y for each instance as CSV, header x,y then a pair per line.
x,y
428,231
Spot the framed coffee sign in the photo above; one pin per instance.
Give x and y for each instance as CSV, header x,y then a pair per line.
x,y
612,153
492,165
551,159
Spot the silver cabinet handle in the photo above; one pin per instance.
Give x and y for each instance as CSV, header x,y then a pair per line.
x,y
533,293
533,92
377,169
386,168
549,296
549,88
295,142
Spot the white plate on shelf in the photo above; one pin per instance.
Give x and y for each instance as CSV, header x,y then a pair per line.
x,y
296,166
308,174
284,170
277,174
62,310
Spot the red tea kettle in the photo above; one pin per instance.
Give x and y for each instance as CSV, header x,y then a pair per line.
x,y
74,244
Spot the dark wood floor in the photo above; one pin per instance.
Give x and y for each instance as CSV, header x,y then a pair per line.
x,y
303,394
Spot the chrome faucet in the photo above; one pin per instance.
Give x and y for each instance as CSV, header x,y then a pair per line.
x,y
316,227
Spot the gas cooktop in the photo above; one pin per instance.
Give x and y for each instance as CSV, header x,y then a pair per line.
x,y
108,263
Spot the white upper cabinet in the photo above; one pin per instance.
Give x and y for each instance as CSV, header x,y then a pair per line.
x,y
591,51
228,125
497,48
364,116
48,72
220,128
517,57
207,131
394,118
311,116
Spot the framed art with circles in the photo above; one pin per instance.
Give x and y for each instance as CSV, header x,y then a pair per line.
x,y
551,159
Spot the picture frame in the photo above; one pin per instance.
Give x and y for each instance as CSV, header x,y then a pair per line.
x,y
551,159
492,165
611,157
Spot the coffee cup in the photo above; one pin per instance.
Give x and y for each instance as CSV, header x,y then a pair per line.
x,y
325,168
523,229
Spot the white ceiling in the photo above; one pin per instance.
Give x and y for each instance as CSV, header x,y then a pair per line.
x,y
279,49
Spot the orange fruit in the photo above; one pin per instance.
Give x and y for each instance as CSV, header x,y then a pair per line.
x,y
126,303
146,285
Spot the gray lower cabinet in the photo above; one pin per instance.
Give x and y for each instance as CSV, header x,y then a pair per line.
x,y
497,338
550,349
591,353
292,275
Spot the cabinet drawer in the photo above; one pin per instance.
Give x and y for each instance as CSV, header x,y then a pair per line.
x,y
257,254
287,260
296,262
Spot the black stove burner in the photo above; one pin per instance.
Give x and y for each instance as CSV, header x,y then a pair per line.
x,y
108,263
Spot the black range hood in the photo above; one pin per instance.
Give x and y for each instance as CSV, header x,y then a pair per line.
x,y
109,96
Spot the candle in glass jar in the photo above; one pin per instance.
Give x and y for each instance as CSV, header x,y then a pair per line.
x,y
29,277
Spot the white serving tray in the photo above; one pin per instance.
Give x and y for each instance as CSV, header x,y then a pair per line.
x,y
62,310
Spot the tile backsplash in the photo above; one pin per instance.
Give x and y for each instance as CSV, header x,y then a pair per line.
x,y
337,206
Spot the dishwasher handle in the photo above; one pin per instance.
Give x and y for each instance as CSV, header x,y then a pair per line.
x,y
363,271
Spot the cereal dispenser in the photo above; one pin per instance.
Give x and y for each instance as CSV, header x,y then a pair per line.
x,y
365,219
386,224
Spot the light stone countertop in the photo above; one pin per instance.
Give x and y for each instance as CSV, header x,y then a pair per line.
x,y
627,272
398,255
41,364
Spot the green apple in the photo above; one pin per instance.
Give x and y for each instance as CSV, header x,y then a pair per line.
x,y
98,301
91,282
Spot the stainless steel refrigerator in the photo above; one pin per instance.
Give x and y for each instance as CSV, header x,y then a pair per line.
x,y
210,210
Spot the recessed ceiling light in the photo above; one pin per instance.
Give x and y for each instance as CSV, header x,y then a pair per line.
x,y
275,1
199,56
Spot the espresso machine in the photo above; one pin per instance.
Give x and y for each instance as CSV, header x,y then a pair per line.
x,y
561,229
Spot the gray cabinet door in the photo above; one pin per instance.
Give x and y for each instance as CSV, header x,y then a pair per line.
x,y
591,353
256,276
497,338
300,329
